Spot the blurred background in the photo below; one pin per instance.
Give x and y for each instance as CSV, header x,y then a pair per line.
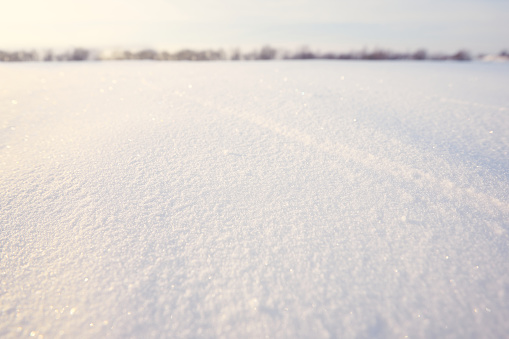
x,y
442,27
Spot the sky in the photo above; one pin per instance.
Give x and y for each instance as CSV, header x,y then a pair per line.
x,y
327,25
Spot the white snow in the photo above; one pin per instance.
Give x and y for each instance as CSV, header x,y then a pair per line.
x,y
250,200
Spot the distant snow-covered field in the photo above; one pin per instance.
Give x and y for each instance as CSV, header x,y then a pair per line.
x,y
254,199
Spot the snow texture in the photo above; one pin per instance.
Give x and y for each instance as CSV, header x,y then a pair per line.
x,y
249,200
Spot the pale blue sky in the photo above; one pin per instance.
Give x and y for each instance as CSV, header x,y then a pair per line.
x,y
336,25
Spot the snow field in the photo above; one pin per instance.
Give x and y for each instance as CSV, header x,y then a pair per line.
x,y
265,199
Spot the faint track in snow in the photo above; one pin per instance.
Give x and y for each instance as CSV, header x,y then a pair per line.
x,y
474,104
420,178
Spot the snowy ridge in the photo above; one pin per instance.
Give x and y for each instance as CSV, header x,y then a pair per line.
x,y
224,200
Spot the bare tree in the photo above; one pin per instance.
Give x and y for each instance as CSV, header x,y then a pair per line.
x,y
420,54
461,55
80,54
267,53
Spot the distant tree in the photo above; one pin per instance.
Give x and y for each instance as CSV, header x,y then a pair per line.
x,y
420,54
79,54
64,56
18,56
164,55
200,55
253,55
377,54
185,54
48,55
438,57
216,55
267,53
304,53
146,54
236,54
345,56
4,56
461,55
330,55
126,55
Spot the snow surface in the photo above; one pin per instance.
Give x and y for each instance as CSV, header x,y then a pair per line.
x,y
250,200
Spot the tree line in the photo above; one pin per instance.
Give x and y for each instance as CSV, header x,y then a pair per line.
x,y
264,53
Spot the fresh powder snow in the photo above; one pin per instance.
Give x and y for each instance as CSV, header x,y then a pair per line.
x,y
254,200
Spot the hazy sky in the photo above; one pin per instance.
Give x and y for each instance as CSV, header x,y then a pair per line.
x,y
438,25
